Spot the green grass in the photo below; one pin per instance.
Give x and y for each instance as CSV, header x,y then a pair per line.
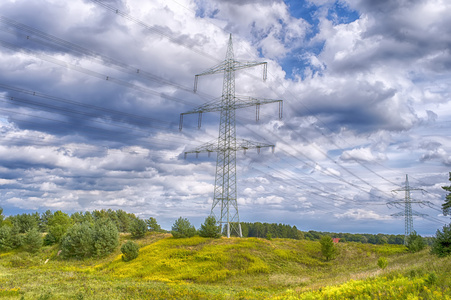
x,y
248,268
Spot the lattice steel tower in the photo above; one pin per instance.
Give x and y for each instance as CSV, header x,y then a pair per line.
x,y
225,192
407,203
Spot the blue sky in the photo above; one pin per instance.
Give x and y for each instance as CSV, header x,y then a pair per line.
x,y
90,101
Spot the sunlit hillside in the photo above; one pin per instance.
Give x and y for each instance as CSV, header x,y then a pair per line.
x,y
247,268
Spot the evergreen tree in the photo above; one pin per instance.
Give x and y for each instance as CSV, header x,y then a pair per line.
x,y
6,242
446,207
441,245
78,242
327,247
182,228
210,228
58,224
152,225
33,240
106,237
415,242
138,228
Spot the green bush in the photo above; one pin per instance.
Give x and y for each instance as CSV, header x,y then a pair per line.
x,y
210,228
129,251
441,245
138,228
33,241
182,228
415,242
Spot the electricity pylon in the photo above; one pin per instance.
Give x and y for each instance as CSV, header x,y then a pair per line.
x,y
407,203
225,192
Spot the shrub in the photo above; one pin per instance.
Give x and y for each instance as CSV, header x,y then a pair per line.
x,y
382,262
182,228
415,242
33,240
138,228
210,228
441,245
327,247
129,251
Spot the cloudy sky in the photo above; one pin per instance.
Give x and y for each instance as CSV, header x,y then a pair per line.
x,y
91,94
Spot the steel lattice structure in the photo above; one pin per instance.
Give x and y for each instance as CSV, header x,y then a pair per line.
x,y
225,192
407,203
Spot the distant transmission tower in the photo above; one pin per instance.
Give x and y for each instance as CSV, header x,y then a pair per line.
x,y
407,203
225,192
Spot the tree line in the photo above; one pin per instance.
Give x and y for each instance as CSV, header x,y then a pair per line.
x,y
80,235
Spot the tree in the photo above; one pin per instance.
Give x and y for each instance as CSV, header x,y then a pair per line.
x,y
446,207
138,228
129,251
78,242
106,237
85,239
33,240
1,216
182,228
415,242
58,224
6,242
152,225
441,245
210,228
327,247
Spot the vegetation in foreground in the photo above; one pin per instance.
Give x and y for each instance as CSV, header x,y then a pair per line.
x,y
247,268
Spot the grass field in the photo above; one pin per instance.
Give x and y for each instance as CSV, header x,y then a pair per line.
x,y
248,268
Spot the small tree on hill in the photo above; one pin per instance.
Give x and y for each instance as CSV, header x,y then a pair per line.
x,y
210,228
78,242
152,225
106,237
182,228
441,245
327,247
415,242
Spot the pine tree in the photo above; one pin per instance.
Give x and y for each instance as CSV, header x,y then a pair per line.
x,y
327,247
210,228
446,207
182,228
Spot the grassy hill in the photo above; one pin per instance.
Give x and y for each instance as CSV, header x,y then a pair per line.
x,y
248,268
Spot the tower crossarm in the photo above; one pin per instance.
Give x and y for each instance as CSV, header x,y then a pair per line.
x,y
402,214
241,144
240,102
